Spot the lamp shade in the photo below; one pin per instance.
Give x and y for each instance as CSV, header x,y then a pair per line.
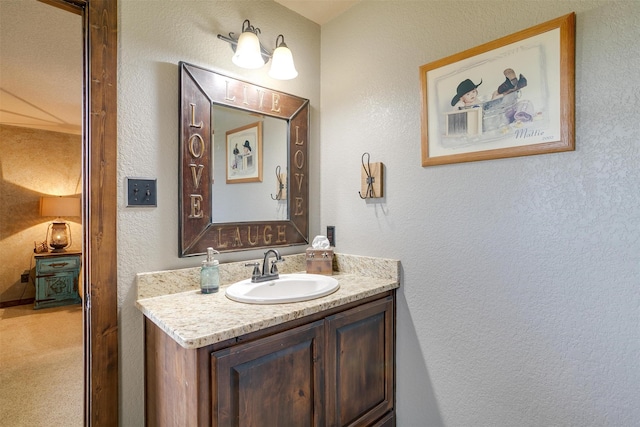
x,y
60,206
282,67
248,54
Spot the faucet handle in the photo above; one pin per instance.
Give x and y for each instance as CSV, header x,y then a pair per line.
x,y
274,267
256,268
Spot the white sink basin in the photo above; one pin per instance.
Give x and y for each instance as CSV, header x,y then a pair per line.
x,y
288,288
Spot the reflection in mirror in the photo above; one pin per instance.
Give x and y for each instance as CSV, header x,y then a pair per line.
x,y
246,199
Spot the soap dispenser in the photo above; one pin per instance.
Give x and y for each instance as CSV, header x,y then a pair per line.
x,y
209,274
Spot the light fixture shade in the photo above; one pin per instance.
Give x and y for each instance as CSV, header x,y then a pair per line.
x,y
282,67
60,206
248,54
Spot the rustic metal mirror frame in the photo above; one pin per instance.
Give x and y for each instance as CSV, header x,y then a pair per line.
x,y
200,89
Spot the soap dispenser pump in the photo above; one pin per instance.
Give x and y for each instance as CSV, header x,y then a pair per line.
x,y
209,274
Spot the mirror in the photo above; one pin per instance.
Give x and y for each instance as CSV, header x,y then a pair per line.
x,y
235,179
233,137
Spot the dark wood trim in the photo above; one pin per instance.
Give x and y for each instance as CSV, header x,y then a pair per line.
x,y
72,6
99,157
16,302
159,347
100,191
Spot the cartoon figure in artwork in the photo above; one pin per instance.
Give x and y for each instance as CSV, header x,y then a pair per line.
x,y
247,155
466,95
246,148
511,83
524,111
236,157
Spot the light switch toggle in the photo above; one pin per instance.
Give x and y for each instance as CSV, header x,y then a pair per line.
x,y
371,177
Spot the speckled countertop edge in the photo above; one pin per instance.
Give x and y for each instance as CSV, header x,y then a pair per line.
x,y
195,320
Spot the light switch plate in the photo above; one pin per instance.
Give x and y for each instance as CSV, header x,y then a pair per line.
x,y
331,235
142,192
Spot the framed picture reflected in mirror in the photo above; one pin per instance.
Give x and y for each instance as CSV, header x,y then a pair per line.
x,y
244,154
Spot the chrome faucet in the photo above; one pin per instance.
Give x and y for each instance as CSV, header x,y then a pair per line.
x,y
257,276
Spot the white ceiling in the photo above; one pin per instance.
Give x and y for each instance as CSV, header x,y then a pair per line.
x,y
318,11
40,67
41,61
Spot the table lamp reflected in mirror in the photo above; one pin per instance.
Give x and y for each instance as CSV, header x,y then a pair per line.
x,y
59,231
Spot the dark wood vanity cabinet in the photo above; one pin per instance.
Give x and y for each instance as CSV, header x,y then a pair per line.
x,y
332,369
359,365
273,381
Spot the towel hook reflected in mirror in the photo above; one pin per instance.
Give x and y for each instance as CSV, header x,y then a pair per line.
x,y
282,179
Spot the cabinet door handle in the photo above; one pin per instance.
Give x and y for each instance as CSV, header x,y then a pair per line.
x,y
58,264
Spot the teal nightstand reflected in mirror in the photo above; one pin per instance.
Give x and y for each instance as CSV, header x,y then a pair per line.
x,y
56,279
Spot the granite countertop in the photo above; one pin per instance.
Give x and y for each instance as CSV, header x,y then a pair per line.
x,y
172,299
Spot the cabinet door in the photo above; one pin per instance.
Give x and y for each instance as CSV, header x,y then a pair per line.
x,y
273,381
360,364
58,286
53,290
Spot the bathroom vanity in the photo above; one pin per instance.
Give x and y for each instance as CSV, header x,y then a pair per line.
x,y
323,362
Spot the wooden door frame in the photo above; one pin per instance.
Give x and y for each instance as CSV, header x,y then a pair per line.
x,y
99,215
99,166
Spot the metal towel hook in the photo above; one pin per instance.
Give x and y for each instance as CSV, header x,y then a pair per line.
x,y
370,179
280,185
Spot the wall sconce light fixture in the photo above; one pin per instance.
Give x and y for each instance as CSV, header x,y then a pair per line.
x,y
282,67
250,53
59,232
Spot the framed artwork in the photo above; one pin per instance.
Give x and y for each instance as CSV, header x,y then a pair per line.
x,y
510,97
244,154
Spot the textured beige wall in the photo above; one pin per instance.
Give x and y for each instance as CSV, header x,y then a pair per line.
x,y
152,38
33,163
519,303
519,300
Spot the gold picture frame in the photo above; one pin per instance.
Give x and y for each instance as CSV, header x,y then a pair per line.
x,y
510,97
244,154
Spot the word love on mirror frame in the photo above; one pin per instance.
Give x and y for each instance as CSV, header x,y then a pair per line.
x,y
200,89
